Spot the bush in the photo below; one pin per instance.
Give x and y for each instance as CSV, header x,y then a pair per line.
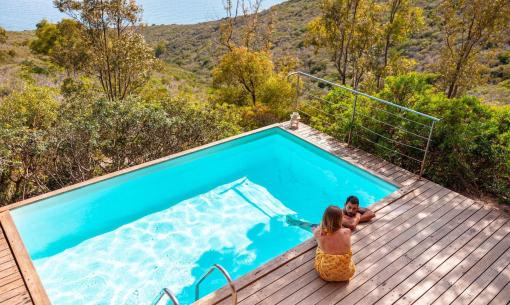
x,y
46,143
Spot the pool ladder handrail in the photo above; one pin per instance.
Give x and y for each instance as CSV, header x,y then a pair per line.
x,y
162,293
227,277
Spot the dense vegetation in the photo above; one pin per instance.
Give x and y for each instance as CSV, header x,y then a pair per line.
x,y
88,95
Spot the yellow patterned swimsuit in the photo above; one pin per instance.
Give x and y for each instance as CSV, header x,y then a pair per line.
x,y
334,267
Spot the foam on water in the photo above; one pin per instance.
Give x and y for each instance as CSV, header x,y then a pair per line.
x,y
230,224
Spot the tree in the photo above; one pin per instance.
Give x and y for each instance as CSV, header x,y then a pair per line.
x,y
47,34
334,30
3,35
468,26
362,36
120,57
63,43
244,14
243,71
401,19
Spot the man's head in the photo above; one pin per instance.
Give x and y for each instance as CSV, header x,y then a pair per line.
x,y
351,206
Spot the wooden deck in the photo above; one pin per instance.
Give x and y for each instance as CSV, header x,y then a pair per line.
x,y
19,282
13,289
427,245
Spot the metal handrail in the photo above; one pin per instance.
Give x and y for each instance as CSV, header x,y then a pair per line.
x,y
162,293
227,277
354,113
364,94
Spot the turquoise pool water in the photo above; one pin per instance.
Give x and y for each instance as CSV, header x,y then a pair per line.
x,y
121,240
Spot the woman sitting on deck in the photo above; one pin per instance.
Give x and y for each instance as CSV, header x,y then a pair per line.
x,y
333,257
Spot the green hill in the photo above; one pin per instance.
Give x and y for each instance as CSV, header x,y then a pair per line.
x,y
196,48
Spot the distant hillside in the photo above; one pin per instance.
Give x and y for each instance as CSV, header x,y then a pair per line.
x,y
195,47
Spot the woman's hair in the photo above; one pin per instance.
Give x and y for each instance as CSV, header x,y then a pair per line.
x,y
332,219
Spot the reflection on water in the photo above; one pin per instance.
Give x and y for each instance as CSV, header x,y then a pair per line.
x,y
239,225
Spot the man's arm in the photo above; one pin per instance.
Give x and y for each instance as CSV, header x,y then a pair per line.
x,y
366,215
351,222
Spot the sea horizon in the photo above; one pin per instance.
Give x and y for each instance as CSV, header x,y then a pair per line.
x,y
23,15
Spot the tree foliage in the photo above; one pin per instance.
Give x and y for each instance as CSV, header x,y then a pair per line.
x,y
63,43
245,71
363,36
468,26
119,56
47,143
249,79
242,27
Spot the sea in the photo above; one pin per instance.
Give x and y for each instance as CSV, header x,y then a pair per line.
x,y
19,15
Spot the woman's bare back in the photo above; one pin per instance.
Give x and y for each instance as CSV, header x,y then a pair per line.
x,y
337,243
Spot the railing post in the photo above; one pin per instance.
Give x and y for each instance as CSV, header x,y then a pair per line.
x,y
422,167
296,103
353,117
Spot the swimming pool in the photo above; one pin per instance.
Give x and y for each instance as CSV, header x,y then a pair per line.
x,y
121,240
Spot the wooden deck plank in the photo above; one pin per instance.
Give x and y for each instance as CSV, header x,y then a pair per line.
x,y
393,211
502,297
10,278
490,292
20,299
264,292
9,271
446,238
398,224
445,252
483,281
15,293
433,206
495,256
274,276
439,281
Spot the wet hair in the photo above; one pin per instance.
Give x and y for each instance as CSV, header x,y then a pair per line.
x,y
353,200
332,219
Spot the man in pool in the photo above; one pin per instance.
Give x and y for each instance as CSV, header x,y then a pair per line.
x,y
353,215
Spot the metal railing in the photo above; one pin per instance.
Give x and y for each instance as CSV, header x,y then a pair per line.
x,y
227,277
361,130
162,293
